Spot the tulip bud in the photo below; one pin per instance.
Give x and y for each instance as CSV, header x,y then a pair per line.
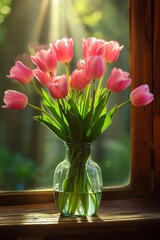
x,y
141,96
81,64
92,47
95,67
46,60
58,87
79,80
64,49
43,77
21,73
118,80
15,100
112,50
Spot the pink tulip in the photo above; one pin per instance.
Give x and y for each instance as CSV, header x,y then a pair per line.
x,y
64,49
46,60
15,100
118,80
43,77
79,80
21,73
81,64
112,50
141,96
58,87
92,46
95,67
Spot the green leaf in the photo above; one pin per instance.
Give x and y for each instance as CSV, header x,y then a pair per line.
x,y
86,102
55,111
88,120
53,107
100,125
74,108
96,128
46,95
95,111
108,119
75,126
100,107
50,124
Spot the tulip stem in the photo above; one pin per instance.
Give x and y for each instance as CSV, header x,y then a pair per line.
x,y
122,104
37,89
108,95
86,101
68,77
99,84
93,100
94,92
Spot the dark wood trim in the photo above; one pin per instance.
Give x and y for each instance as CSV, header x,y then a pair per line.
x,y
141,72
46,196
26,197
156,86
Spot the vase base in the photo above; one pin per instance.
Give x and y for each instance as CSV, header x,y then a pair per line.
x,y
77,204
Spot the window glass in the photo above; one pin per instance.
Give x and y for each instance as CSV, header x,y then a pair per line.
x,y
29,152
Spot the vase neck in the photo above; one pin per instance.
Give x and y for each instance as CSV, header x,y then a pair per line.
x,y
80,152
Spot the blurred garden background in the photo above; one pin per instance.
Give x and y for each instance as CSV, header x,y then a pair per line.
x,y
29,152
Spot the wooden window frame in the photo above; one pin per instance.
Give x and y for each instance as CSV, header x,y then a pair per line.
x,y
145,121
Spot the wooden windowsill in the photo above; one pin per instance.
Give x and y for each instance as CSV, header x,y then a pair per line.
x,y
115,218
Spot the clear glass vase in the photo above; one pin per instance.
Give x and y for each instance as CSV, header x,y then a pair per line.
x,y
77,182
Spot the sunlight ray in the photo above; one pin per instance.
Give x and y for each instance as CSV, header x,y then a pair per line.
x,y
40,19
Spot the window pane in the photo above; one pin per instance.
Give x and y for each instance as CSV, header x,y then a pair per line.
x,y
29,152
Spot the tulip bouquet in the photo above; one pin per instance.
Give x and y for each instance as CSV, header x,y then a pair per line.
x,y
74,106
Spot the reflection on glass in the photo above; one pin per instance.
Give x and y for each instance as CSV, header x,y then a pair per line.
x,y
29,153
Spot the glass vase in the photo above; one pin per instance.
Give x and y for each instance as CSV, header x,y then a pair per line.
x,y
77,182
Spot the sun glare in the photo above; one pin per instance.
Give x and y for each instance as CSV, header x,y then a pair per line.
x,y
64,21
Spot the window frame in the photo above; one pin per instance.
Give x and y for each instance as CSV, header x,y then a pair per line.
x,y
145,163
